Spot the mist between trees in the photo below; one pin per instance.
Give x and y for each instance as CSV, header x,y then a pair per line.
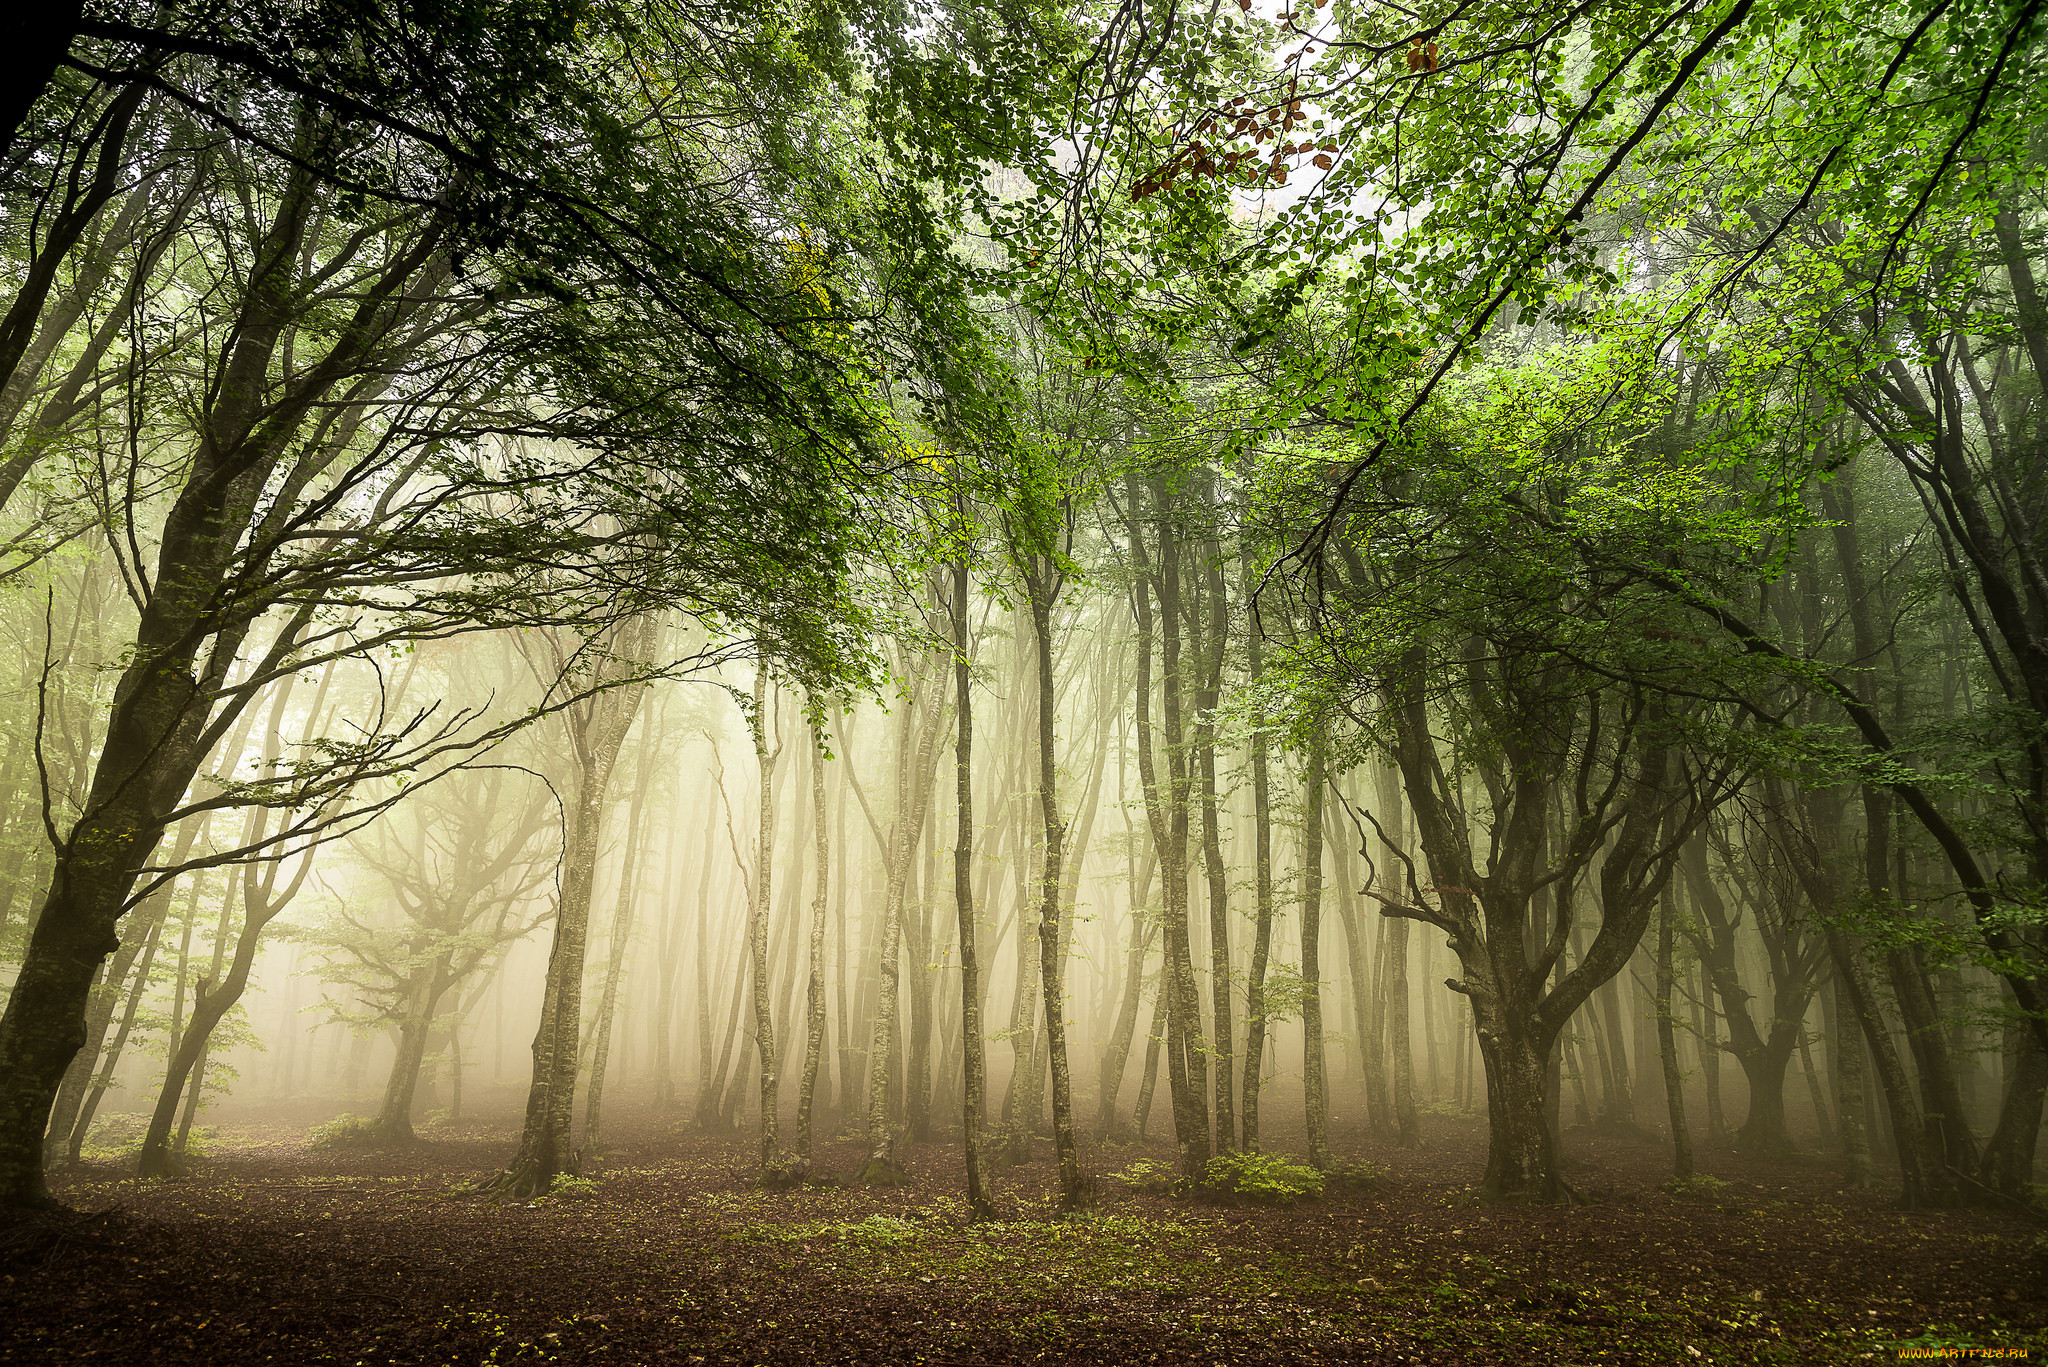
x,y
669,558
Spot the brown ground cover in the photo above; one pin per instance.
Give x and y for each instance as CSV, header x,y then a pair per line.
x,y
277,1252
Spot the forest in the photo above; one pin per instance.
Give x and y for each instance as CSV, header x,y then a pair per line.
x,y
1023,681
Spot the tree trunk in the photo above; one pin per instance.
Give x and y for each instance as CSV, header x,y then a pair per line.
x,y
1167,815
1262,895
814,987
1845,1070
1667,1045
1116,1059
261,902
152,740
66,1132
1521,1152
597,730
622,935
1210,646
1315,1084
2007,1166
757,930
1042,585
915,771
394,1116
974,1066
1394,972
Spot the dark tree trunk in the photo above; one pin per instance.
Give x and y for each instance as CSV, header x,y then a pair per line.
x,y
1667,1045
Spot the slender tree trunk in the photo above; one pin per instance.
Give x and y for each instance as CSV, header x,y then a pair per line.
x,y
1394,972
814,989
1262,896
1845,1070
1042,586
915,771
622,936
1117,1057
1167,813
1919,1187
1710,1060
1208,698
1315,1083
974,1066
261,902
83,1125
1155,1037
1667,1045
757,930
597,731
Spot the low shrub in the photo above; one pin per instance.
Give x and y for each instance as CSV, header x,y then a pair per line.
x,y
1263,1178
1698,1187
344,1132
568,1187
1364,1175
1153,1179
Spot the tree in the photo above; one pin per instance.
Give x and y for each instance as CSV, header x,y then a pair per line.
x,y
461,878
608,677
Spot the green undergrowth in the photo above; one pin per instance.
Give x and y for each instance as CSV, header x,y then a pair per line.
x,y
1698,1187
567,1187
344,1132
1080,1269
1262,1178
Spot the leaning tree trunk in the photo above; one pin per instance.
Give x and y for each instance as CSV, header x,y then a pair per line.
x,y
394,1116
1116,1058
69,1116
1922,1181
261,902
152,742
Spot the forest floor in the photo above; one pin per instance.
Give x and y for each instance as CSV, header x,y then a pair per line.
x,y
274,1251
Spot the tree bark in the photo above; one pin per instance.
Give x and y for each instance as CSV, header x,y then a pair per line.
x,y
597,730
814,986
1315,1083
622,935
1042,585
1262,895
1667,1045
915,771
757,929
974,1065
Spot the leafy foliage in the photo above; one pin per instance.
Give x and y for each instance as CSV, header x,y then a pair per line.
x,y
1261,1178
